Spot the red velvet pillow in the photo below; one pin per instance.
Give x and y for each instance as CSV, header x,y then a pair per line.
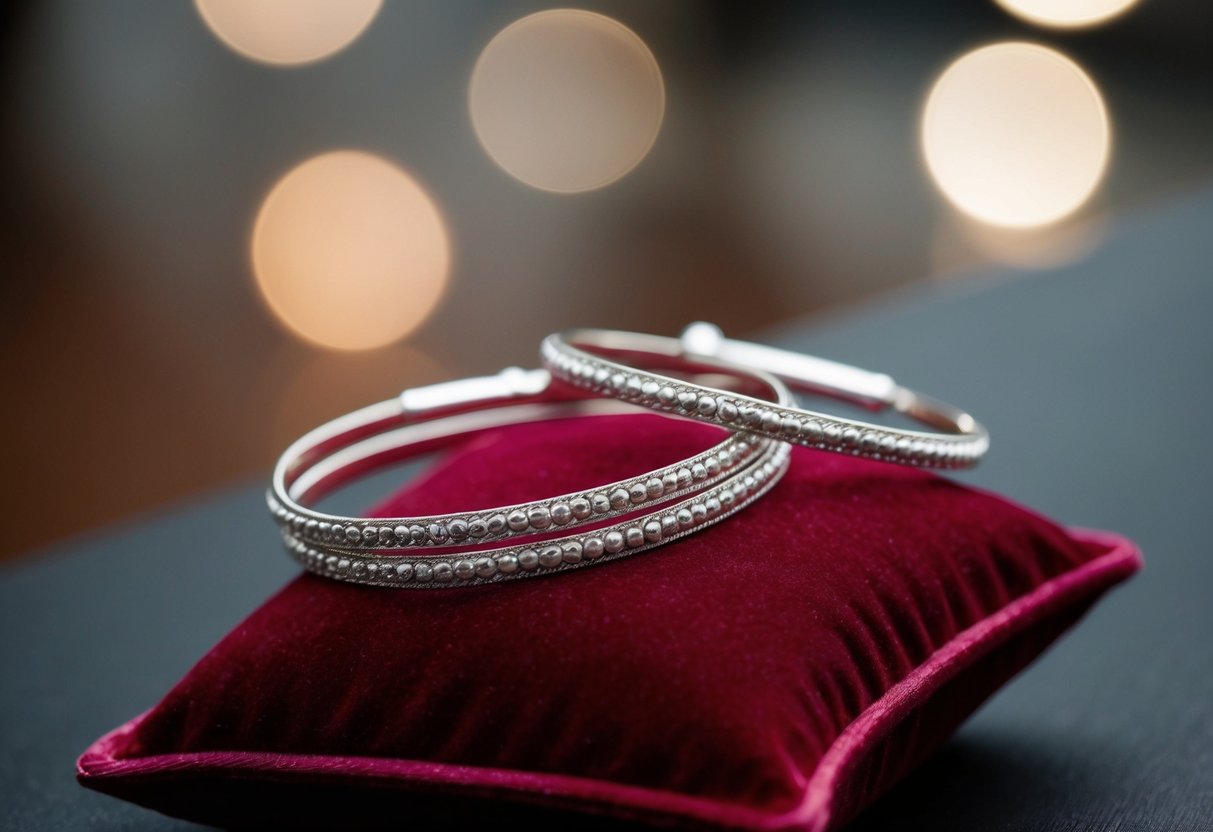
x,y
777,671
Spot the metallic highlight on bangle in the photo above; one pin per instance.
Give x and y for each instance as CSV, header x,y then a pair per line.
x,y
322,459
552,555
709,485
609,363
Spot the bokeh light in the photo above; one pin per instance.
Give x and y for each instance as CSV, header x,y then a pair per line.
x,y
1015,134
349,251
1066,14
567,100
287,32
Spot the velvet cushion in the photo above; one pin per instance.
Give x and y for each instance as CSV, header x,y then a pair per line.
x,y
777,671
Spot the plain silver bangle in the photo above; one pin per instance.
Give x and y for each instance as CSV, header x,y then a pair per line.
x,y
624,365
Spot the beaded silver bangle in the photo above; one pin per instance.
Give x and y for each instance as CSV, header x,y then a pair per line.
x,y
605,362
553,555
423,418
326,456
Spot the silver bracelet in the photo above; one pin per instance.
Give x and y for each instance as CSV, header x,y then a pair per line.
x,y
624,365
731,473
406,426
553,555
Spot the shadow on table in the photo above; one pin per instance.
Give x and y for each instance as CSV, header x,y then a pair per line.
x,y
986,780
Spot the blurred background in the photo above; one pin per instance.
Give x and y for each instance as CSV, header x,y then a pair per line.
x,y
227,221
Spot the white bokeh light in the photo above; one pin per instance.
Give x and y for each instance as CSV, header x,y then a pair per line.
x,y
1067,14
1015,135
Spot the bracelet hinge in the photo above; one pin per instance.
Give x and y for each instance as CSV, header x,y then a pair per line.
x,y
512,382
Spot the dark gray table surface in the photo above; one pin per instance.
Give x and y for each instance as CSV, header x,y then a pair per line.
x,y
1095,383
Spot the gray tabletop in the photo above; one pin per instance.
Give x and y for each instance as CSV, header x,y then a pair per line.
x,y
1095,383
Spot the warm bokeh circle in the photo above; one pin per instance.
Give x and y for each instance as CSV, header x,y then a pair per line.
x,y
567,100
349,251
1015,134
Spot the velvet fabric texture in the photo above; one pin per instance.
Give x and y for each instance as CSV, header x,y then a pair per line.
x,y
776,671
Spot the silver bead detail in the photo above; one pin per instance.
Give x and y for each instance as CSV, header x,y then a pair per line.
x,y
465,570
404,571
486,567
458,529
634,537
580,507
517,520
561,514
706,406
652,531
507,564
423,572
477,528
497,524
727,411
654,487
619,498
443,573
528,559
550,556
613,542
684,517
637,492
592,547
539,517
571,552
600,503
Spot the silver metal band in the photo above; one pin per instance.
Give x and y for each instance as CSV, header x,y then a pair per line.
x,y
552,555
333,453
625,365
655,507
